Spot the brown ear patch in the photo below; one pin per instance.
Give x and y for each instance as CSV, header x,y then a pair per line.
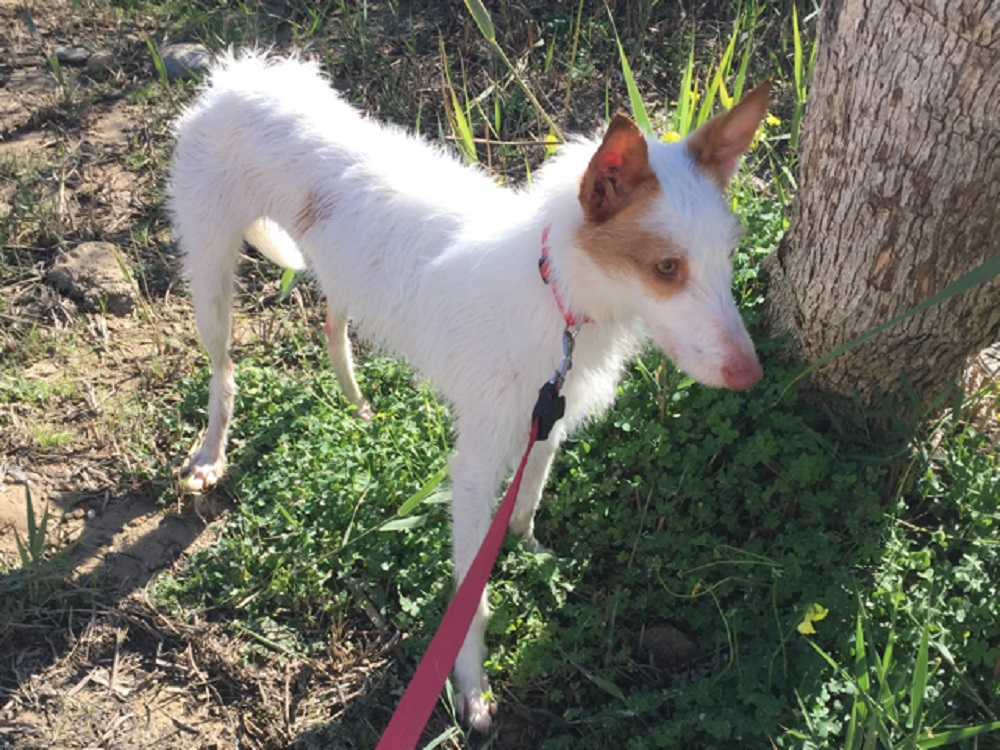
x,y
618,170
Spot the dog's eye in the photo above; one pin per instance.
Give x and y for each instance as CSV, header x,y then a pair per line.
x,y
667,268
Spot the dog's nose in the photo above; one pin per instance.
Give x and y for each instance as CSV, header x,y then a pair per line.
x,y
742,373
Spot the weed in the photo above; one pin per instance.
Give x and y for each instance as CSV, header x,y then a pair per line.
x,y
485,23
31,549
457,114
161,68
48,438
635,99
17,389
39,573
887,709
984,272
802,71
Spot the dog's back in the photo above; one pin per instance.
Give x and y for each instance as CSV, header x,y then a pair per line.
x,y
313,157
369,206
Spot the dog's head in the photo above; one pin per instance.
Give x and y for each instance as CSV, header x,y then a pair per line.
x,y
658,228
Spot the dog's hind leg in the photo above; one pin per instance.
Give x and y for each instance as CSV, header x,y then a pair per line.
x,y
339,345
211,261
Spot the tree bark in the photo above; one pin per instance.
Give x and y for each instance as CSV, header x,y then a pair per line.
x,y
899,194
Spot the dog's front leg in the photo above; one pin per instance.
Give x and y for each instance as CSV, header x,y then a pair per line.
x,y
532,484
474,484
207,466
212,307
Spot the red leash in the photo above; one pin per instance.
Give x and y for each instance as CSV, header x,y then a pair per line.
x,y
414,709
418,701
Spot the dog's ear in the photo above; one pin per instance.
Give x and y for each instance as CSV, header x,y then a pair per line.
x,y
716,146
617,169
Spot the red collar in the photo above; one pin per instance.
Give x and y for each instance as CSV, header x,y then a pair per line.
x,y
571,318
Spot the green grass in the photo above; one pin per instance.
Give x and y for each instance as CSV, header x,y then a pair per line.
x,y
318,489
726,516
723,515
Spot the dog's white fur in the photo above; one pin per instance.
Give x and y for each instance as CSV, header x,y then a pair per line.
x,y
436,262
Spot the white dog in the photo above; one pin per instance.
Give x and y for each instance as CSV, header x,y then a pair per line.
x,y
436,262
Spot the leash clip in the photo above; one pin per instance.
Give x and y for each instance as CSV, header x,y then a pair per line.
x,y
551,406
568,344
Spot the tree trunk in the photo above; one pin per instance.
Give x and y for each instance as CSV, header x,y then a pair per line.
x,y
899,194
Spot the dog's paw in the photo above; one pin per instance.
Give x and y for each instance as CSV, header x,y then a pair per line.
x,y
364,411
199,476
476,710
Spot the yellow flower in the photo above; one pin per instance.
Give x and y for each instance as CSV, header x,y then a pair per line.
x,y
551,143
815,613
772,120
671,136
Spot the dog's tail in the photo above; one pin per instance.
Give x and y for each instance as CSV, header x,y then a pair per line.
x,y
275,244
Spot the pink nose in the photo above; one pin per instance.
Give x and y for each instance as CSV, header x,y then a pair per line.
x,y
742,373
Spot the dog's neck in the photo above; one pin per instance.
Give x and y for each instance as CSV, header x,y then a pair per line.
x,y
548,233
570,315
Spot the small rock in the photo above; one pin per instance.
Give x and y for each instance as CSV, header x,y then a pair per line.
x,y
101,61
667,647
72,55
185,60
91,274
